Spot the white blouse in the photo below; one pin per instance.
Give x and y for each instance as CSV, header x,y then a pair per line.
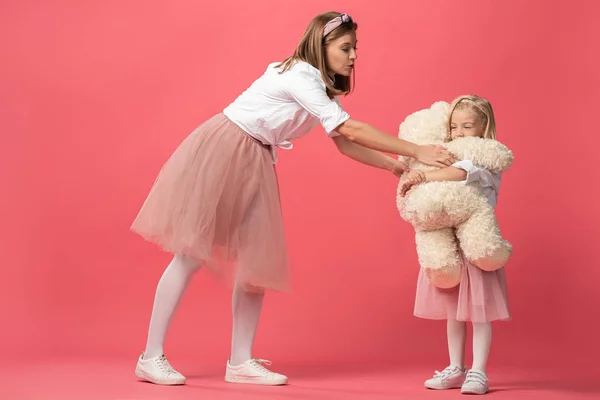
x,y
280,107
490,182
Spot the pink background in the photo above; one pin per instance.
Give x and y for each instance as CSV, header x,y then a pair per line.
x,y
95,96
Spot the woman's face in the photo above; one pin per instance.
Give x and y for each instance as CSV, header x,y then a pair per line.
x,y
341,55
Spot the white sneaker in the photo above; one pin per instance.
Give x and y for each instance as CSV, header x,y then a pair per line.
x,y
158,370
253,372
476,383
452,377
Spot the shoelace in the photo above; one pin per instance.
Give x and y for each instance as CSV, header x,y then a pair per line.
x,y
445,373
476,377
258,363
164,365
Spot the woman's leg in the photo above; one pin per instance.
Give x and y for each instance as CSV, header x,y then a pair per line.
x,y
171,287
246,307
242,367
153,366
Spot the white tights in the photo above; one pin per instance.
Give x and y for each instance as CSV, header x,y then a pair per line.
x,y
246,308
482,340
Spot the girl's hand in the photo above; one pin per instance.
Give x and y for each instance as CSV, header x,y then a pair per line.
x,y
434,155
415,177
399,167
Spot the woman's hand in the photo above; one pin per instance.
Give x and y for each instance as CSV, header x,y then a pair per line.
x,y
414,177
399,167
434,155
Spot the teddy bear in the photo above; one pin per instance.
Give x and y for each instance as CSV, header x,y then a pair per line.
x,y
449,215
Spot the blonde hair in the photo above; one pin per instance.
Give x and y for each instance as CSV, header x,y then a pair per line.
x,y
312,47
481,108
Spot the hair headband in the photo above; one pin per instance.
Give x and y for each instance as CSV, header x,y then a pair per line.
x,y
472,103
335,23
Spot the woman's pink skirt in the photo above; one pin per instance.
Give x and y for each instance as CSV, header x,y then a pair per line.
x,y
480,297
217,200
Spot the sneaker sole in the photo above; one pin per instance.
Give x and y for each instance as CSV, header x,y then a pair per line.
x,y
473,391
434,387
167,382
270,382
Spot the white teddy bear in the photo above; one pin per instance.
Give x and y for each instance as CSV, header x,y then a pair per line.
x,y
447,215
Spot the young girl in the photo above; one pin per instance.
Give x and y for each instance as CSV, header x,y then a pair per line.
x,y
481,296
216,202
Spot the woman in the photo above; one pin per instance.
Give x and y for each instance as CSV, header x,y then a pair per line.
x,y
216,201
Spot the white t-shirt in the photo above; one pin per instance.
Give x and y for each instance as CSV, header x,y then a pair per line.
x,y
280,107
490,182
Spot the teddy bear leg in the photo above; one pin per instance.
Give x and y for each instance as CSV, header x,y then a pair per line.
x,y
481,241
438,256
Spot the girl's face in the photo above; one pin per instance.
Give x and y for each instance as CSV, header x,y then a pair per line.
x,y
341,55
465,123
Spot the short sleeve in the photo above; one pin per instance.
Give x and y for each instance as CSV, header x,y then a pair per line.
x,y
476,174
309,91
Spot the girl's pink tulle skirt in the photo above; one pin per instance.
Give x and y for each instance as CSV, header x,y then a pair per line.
x,y
480,297
217,200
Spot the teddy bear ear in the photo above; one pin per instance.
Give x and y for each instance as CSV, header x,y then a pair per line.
x,y
440,108
427,125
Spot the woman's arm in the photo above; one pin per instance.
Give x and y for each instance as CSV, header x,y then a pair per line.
x,y
307,89
368,156
368,136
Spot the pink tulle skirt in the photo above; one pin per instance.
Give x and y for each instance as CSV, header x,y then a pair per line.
x,y
480,297
217,200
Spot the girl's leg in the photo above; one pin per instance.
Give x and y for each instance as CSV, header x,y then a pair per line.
x,y
477,380
453,376
457,336
170,290
482,340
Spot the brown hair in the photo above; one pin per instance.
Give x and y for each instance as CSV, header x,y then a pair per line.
x,y
481,108
311,49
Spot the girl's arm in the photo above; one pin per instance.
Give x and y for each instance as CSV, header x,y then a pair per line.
x,y
370,157
368,136
473,173
446,174
416,177
462,171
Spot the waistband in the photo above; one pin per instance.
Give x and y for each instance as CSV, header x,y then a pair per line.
x,y
286,145
261,144
257,141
